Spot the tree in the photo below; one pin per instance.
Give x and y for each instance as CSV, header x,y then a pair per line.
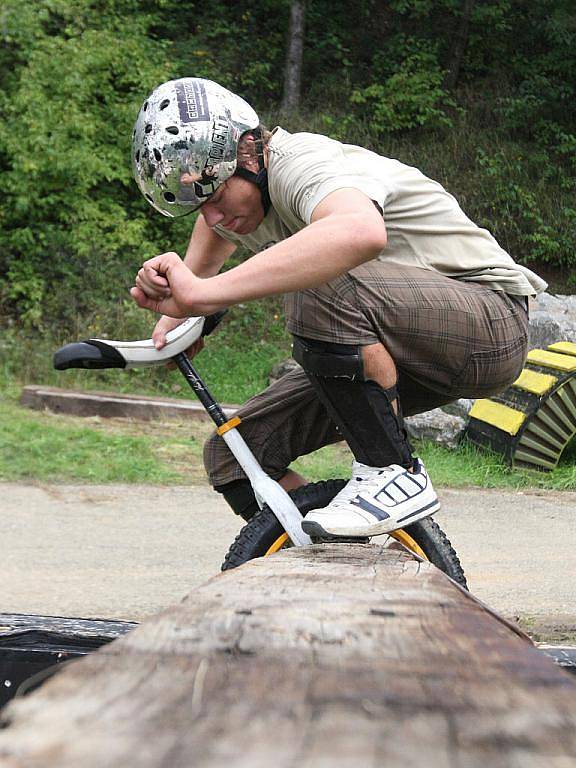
x,y
294,56
459,47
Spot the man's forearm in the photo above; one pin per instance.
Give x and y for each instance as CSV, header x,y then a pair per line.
x,y
207,251
313,256
337,241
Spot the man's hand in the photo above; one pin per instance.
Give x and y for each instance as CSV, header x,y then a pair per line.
x,y
167,324
162,327
164,284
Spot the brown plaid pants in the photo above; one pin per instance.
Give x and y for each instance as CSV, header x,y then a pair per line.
x,y
448,338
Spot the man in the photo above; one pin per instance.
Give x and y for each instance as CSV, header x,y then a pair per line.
x,y
396,301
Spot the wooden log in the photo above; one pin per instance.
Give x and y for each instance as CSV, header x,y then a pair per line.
x,y
335,655
114,405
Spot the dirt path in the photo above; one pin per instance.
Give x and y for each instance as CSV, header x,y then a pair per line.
x,y
126,552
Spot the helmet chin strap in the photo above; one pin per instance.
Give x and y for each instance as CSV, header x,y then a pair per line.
x,y
260,178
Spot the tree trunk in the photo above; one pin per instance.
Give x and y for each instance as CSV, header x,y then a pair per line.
x,y
339,655
460,42
294,54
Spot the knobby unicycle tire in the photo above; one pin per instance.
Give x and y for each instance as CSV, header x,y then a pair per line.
x,y
263,535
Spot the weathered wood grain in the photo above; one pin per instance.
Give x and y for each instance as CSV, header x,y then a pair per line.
x,y
342,655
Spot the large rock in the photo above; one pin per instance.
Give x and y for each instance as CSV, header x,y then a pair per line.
x,y
459,407
552,318
436,426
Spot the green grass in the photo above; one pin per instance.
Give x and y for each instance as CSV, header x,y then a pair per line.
x,y
465,467
42,447
235,363
471,466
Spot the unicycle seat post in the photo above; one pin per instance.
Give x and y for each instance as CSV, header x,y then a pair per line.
x,y
200,389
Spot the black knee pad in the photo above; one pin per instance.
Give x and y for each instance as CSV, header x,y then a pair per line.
x,y
361,408
240,497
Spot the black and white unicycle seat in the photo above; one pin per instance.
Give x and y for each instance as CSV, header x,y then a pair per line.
x,y
107,353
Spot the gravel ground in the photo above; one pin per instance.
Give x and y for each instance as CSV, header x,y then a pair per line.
x,y
126,552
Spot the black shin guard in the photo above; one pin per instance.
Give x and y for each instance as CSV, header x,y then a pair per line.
x,y
240,497
362,410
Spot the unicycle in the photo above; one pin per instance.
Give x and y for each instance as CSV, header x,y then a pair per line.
x,y
278,522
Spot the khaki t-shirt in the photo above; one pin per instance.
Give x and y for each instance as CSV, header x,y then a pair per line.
x,y
426,227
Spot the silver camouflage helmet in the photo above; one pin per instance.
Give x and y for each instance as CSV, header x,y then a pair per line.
x,y
185,142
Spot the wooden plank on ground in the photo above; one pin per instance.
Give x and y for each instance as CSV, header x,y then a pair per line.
x,y
113,404
336,656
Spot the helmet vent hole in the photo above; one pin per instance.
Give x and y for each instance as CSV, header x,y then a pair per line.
x,y
148,128
164,104
173,129
157,154
169,197
138,156
145,107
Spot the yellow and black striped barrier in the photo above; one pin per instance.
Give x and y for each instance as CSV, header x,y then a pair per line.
x,y
533,420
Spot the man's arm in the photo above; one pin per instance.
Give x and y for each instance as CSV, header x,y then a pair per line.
x,y
346,230
207,251
205,255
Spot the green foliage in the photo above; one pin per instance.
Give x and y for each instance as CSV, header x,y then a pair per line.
x,y
412,97
235,363
240,45
70,216
512,200
73,73
25,288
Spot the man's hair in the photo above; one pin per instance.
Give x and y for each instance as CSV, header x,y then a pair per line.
x,y
251,146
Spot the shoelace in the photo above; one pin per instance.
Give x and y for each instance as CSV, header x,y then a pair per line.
x,y
351,490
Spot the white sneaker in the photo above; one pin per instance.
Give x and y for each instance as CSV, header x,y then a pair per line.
x,y
376,500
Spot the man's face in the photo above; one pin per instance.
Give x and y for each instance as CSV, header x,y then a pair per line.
x,y
236,205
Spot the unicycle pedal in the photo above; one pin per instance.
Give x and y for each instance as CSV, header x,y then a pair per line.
x,y
320,536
